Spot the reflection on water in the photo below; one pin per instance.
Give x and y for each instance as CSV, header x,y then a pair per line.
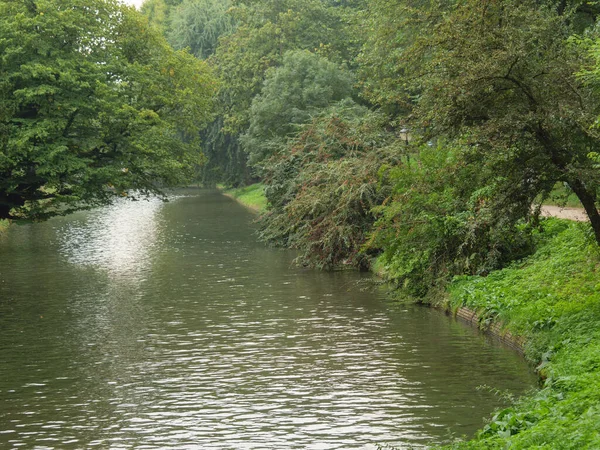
x,y
152,325
118,239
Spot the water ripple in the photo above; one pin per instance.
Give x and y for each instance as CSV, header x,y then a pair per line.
x,y
155,326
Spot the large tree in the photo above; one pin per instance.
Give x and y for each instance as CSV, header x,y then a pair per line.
x,y
93,104
198,25
292,95
500,78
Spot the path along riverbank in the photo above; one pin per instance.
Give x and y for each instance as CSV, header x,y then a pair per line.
x,y
560,212
549,304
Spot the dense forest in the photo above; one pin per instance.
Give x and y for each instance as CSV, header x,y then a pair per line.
x,y
424,135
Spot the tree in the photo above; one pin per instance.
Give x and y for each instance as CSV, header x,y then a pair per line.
x,y
158,12
266,30
94,104
323,183
498,77
292,94
198,24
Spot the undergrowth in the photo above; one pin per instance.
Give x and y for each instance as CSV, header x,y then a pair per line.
x,y
553,299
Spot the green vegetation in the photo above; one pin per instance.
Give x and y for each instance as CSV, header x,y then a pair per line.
x,y
561,195
426,139
323,184
441,220
198,25
519,97
252,196
94,105
303,86
553,299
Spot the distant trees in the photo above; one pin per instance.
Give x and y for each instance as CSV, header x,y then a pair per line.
x,y
93,104
198,25
242,41
292,95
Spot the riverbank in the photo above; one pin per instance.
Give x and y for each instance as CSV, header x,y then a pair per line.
x,y
551,302
252,197
552,299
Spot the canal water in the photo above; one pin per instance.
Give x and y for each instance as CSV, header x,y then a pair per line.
x,y
156,325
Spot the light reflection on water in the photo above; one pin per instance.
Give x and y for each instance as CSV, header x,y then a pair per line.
x,y
118,239
152,325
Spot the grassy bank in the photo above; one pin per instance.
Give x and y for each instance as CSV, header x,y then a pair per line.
x,y
252,196
553,299
4,226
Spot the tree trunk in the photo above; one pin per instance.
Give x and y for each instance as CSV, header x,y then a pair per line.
x,y
588,200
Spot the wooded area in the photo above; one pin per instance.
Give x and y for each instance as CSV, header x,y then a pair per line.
x,y
432,130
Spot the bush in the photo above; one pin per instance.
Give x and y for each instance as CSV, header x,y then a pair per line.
x,y
323,184
442,220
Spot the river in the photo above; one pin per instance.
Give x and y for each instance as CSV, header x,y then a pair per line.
x,y
156,325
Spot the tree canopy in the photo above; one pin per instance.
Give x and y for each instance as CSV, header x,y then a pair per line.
x,y
293,93
501,79
198,25
94,104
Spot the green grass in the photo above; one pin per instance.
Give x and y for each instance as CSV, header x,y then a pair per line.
x,y
4,225
563,196
252,196
553,299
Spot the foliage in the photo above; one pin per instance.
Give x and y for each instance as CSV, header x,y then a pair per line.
x,y
226,162
292,94
553,299
562,196
323,184
158,12
266,30
198,24
440,221
252,196
510,94
93,104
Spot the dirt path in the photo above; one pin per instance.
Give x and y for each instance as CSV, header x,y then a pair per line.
x,y
576,214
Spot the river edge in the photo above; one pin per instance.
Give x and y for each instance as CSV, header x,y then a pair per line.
x,y
546,307
497,330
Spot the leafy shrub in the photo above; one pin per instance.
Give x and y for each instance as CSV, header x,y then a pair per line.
x,y
442,220
323,184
